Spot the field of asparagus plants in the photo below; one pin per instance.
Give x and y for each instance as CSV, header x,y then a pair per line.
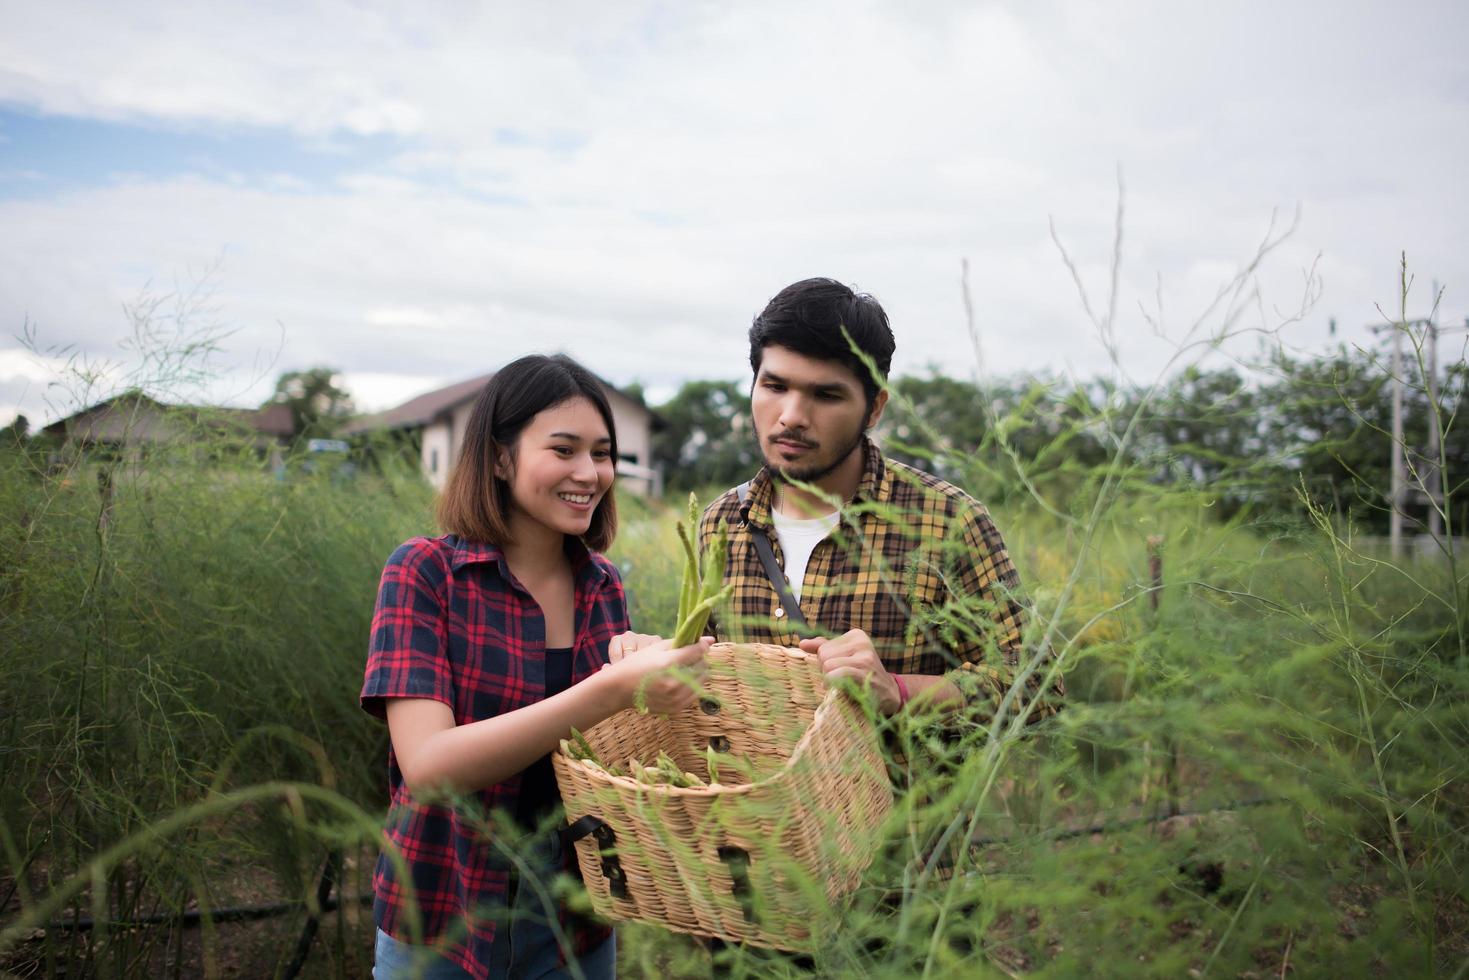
x,y
1258,770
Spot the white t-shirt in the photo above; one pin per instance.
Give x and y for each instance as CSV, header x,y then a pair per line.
x,y
797,540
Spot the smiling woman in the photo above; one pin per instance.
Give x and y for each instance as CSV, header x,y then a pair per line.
x,y
551,404
488,648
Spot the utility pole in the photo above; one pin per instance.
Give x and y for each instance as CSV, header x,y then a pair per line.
x,y
1433,476
1395,519
1427,476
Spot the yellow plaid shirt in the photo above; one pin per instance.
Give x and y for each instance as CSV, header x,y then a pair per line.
x,y
906,546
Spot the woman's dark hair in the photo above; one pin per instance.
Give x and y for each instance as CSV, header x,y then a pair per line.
x,y
475,503
808,317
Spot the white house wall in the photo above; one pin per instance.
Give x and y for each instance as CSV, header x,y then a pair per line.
x,y
459,418
634,445
437,453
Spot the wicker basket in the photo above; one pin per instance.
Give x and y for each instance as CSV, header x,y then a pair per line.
x,y
802,791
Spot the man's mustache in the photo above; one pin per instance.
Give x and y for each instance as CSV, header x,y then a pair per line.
x,y
789,436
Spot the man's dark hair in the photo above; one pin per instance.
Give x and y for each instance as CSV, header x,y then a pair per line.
x,y
475,503
808,317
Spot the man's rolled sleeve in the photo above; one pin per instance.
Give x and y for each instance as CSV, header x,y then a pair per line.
x,y
408,653
994,655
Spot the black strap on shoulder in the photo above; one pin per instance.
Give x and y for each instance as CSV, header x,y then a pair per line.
x,y
773,570
777,577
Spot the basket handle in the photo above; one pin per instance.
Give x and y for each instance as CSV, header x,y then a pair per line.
x,y
589,824
738,860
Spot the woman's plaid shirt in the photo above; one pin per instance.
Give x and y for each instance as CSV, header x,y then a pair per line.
x,y
453,624
916,563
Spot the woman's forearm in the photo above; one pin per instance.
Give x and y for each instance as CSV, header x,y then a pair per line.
x,y
434,753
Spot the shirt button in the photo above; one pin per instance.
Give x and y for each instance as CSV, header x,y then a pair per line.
x,y
779,611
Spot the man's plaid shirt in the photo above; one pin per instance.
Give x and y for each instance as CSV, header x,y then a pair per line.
x,y
452,624
907,546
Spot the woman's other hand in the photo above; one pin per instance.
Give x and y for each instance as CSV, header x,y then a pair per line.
x,y
660,671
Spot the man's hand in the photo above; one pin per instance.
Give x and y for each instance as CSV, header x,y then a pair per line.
x,y
624,643
852,655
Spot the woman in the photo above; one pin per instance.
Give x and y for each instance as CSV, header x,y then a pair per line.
x,y
488,646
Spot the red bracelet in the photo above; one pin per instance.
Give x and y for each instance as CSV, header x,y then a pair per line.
x,y
902,689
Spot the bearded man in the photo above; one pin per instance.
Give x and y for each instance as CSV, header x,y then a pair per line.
x,y
891,576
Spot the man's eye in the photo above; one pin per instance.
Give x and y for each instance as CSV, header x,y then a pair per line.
x,y
772,386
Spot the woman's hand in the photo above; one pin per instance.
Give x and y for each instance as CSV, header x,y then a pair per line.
x,y
625,643
659,670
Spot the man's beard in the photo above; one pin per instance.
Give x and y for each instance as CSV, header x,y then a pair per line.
x,y
812,473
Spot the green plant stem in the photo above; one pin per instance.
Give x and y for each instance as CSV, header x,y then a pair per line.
x,y
1234,919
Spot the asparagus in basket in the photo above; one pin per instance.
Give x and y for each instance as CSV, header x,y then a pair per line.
x,y
577,747
701,591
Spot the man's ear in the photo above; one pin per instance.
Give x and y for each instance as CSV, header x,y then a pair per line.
x,y
878,404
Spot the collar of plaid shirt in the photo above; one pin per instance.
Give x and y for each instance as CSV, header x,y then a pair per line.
x,y
586,573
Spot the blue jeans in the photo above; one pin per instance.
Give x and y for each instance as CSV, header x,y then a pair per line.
x,y
524,947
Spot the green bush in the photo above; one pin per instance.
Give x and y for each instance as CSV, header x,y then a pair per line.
x,y
178,625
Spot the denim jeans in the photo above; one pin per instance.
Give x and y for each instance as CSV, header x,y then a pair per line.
x,y
524,947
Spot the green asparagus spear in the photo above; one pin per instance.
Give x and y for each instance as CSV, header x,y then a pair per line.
x,y
689,587
582,749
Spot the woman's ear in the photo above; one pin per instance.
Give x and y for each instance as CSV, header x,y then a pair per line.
x,y
502,464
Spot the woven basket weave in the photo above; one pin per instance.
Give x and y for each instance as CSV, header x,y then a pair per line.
x,y
753,858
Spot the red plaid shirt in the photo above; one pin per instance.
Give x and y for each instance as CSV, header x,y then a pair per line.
x,y
452,624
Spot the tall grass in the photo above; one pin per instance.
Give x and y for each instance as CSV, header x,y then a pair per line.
x,y
176,626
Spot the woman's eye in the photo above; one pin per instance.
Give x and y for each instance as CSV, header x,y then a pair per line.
x,y
561,450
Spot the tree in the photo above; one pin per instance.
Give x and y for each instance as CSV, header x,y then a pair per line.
x,y
318,406
1207,428
14,435
1330,418
709,437
930,421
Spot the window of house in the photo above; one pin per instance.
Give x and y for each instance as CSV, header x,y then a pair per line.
x,y
433,460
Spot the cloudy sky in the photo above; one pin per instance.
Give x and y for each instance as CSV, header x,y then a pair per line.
x,y
415,193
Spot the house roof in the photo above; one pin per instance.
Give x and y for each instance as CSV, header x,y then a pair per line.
x,y
60,426
271,420
420,411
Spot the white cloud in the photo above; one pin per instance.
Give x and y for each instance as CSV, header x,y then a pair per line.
x,y
630,183
375,392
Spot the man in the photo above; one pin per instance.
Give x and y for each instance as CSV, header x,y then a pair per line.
x,y
902,579
876,553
